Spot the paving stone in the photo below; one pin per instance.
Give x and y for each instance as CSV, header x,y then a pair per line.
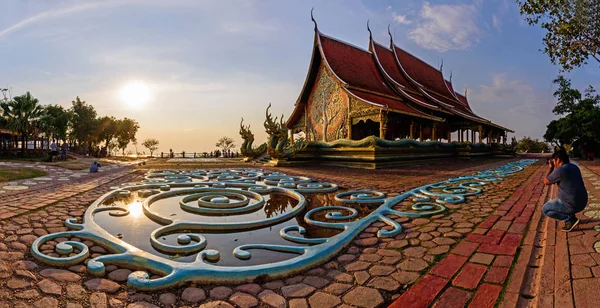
x,y
316,282
381,270
243,300
413,265
46,302
339,276
486,295
365,242
193,295
168,299
27,294
142,305
469,276
60,275
119,275
297,290
251,288
405,278
216,304
272,299
361,276
102,285
337,288
298,303
453,297
49,287
357,266
273,285
75,291
321,299
98,300
220,292
414,252
384,283
482,258
363,297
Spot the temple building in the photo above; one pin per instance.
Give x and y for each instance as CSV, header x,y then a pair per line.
x,y
352,93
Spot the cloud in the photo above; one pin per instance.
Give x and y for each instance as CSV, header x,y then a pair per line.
x,y
446,27
497,23
53,14
401,19
515,104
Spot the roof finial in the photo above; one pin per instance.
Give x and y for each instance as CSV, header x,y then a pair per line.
x,y
313,19
442,65
465,91
450,76
391,37
369,29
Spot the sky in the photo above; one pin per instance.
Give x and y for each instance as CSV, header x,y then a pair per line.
x,y
209,63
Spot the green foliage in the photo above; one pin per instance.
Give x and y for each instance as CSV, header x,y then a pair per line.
x,y
83,123
151,144
127,128
573,29
55,121
20,114
580,124
529,145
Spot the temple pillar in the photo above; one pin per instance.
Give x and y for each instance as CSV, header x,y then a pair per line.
x,y
349,128
433,132
421,132
291,133
449,135
412,130
472,136
489,137
382,124
480,129
504,138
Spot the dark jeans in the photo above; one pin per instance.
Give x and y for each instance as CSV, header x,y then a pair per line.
x,y
557,209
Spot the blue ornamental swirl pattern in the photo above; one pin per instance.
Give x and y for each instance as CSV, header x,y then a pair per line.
x,y
208,199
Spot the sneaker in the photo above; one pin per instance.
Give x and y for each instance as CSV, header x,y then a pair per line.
x,y
570,225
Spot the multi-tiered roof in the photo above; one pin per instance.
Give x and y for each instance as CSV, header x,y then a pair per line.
x,y
388,77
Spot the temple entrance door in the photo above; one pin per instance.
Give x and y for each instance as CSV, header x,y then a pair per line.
x,y
364,129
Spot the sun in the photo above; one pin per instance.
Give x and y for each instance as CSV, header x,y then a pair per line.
x,y
136,94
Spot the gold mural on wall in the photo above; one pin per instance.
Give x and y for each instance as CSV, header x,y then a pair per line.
x,y
327,109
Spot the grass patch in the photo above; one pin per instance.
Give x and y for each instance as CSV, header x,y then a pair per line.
x,y
74,165
13,174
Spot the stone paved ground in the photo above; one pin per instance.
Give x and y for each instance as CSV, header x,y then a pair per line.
x,y
463,254
564,268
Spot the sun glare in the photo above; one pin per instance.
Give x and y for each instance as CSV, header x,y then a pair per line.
x,y
135,94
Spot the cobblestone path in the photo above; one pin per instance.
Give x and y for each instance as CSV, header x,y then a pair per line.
x,y
58,184
481,235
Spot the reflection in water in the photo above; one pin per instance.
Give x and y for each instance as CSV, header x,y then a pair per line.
x,y
278,204
135,209
136,227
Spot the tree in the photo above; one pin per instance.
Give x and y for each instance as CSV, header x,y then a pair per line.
x,y
55,122
580,124
151,144
106,130
225,144
573,29
83,123
20,113
527,144
126,132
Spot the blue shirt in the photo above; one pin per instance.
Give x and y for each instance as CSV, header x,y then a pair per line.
x,y
571,189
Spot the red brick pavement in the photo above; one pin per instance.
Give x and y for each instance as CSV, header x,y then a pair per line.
x,y
473,273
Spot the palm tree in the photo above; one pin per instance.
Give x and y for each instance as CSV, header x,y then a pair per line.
x,y
20,113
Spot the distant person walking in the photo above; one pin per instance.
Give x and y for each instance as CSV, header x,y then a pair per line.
x,y
64,148
53,150
572,194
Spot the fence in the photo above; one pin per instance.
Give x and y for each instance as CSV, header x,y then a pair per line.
x,y
197,155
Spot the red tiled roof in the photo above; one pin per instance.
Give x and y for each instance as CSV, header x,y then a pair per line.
x,y
388,64
354,66
421,72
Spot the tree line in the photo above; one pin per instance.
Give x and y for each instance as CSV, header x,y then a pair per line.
x,y
79,126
